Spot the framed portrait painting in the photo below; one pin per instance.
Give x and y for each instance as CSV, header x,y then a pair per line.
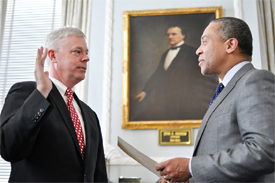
x,y
162,83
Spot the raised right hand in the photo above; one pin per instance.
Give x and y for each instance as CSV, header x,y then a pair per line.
x,y
43,83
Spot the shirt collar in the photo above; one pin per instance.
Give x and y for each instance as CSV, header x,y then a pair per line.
x,y
60,86
229,75
179,44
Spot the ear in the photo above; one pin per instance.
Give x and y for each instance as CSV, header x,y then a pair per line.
x,y
231,45
183,36
52,56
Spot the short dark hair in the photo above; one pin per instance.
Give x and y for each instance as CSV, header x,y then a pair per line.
x,y
231,27
177,25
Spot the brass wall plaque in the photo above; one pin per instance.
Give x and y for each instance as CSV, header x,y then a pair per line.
x,y
176,136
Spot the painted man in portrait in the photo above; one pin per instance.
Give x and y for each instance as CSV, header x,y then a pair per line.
x,y
176,90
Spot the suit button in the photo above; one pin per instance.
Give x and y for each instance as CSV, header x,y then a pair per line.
x,y
39,113
41,110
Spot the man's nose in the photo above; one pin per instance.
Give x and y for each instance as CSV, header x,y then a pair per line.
x,y
199,51
85,58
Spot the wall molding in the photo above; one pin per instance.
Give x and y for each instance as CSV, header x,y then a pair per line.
x,y
107,77
238,9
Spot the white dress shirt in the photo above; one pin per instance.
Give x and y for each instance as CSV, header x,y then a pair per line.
x,y
171,55
229,75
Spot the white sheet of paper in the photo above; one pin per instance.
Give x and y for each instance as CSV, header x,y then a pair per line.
x,y
144,160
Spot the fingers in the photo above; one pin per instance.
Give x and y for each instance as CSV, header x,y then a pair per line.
x,y
40,60
174,170
141,99
41,56
167,177
38,56
160,166
161,181
44,55
141,96
43,83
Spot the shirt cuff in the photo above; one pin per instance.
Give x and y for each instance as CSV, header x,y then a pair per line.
x,y
190,170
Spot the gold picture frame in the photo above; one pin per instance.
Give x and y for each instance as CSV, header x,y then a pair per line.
x,y
143,31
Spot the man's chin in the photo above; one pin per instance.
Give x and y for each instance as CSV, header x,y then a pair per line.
x,y
203,72
80,78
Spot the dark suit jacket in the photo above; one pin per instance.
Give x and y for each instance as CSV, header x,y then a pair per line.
x,y
235,142
39,139
180,92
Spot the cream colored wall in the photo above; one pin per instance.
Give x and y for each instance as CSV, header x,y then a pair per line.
x,y
145,140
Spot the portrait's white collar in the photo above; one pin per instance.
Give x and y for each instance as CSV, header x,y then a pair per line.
x,y
179,44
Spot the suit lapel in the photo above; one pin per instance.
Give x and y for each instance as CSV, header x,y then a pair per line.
x,y
91,131
61,106
178,57
219,100
87,127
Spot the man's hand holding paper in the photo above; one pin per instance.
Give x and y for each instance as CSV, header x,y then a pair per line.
x,y
175,170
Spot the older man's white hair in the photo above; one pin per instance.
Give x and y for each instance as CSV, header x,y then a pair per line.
x,y
54,39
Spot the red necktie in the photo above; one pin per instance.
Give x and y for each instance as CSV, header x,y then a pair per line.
x,y
76,121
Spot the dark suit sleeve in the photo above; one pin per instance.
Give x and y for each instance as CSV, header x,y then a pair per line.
x,y
20,120
153,81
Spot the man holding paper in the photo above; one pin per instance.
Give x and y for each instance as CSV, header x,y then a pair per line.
x,y
235,142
